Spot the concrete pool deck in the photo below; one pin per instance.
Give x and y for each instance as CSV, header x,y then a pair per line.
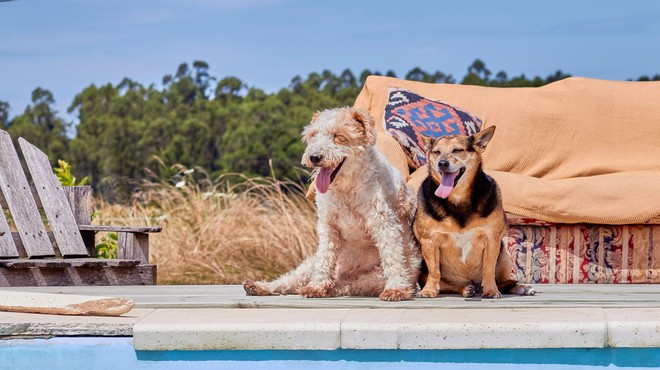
x,y
222,318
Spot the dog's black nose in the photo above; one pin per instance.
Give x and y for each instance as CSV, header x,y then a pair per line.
x,y
315,159
443,164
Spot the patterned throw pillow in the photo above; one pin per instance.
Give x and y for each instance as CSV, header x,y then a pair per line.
x,y
408,116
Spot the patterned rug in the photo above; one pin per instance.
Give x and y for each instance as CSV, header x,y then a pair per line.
x,y
408,116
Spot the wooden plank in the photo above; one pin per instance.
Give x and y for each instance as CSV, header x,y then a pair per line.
x,y
57,209
46,263
21,249
68,262
121,229
133,246
35,196
79,276
23,209
89,239
81,202
51,236
7,247
19,245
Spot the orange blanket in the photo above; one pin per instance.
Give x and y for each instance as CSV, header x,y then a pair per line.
x,y
577,150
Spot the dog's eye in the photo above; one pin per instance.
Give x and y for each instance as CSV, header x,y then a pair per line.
x,y
436,152
339,139
307,136
458,150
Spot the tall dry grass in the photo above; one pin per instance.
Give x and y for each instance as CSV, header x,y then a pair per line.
x,y
222,231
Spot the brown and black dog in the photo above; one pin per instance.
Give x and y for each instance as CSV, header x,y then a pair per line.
x,y
460,222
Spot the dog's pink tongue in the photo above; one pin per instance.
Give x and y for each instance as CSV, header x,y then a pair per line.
x,y
323,180
447,185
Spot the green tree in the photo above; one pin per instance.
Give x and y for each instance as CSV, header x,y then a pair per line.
x,y
229,90
189,119
4,114
202,78
40,125
87,150
478,74
418,74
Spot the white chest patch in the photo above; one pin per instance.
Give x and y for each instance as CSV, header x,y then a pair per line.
x,y
464,242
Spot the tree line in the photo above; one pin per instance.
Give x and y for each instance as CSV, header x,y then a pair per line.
x,y
192,118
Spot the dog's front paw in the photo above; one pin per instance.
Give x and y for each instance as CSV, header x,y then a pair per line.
x,y
394,295
468,291
322,290
253,288
523,290
427,293
491,293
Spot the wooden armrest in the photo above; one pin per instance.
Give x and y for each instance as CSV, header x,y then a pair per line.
x,y
68,262
121,229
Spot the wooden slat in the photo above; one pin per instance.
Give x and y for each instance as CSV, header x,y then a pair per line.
x,y
35,196
68,262
91,276
23,209
21,249
133,246
7,246
81,202
54,201
121,229
45,263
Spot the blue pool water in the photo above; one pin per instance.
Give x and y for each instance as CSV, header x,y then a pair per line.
x,y
118,353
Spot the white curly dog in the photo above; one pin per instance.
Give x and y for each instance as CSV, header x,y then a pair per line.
x,y
365,211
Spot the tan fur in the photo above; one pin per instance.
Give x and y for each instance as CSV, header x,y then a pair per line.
x,y
469,257
366,245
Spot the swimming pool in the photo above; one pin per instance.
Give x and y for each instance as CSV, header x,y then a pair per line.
x,y
118,353
207,327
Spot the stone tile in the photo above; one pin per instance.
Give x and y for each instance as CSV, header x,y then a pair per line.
x,y
28,324
215,329
639,327
371,329
502,328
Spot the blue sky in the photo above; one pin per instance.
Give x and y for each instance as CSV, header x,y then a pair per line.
x,y
65,45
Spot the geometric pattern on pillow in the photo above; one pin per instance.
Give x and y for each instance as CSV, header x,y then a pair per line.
x,y
409,116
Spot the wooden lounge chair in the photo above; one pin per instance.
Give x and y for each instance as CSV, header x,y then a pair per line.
x,y
64,255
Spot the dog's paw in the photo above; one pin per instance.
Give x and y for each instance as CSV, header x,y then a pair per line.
x,y
468,291
253,288
394,295
322,290
523,290
491,293
427,293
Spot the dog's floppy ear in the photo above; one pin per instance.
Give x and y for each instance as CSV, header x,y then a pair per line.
x,y
481,138
366,123
428,142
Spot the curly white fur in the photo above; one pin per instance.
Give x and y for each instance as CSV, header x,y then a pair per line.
x,y
366,245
